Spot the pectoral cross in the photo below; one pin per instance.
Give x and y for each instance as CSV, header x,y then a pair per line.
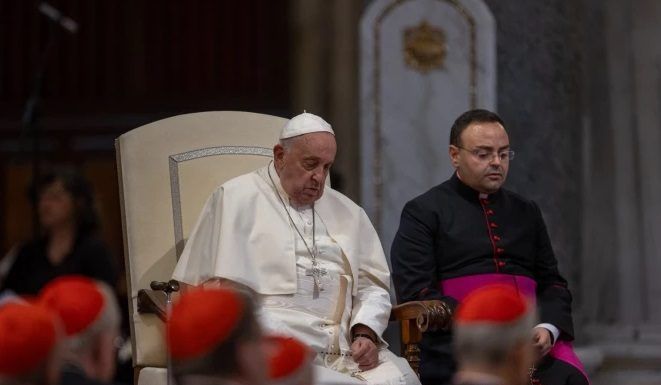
x,y
316,273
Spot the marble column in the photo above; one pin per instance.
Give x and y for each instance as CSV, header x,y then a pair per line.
x,y
324,73
621,250
621,256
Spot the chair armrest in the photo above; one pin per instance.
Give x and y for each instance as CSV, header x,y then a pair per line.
x,y
411,310
152,302
428,315
416,317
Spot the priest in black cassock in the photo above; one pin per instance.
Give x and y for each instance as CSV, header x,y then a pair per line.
x,y
469,232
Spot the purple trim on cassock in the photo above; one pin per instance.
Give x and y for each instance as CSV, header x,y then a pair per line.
x,y
459,287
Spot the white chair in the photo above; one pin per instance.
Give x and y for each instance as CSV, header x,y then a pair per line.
x,y
167,170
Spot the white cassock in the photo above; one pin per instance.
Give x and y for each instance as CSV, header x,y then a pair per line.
x,y
245,235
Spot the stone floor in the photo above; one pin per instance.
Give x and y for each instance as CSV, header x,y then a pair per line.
x,y
635,377
622,364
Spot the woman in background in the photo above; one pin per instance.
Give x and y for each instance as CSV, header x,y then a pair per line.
x,y
68,243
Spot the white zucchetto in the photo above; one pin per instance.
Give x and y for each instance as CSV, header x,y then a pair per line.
x,y
305,123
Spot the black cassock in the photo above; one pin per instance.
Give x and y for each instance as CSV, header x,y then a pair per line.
x,y
452,234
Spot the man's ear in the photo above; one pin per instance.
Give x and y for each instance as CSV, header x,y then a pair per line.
x,y
453,151
278,154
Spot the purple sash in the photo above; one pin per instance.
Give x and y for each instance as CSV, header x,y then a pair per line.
x,y
459,287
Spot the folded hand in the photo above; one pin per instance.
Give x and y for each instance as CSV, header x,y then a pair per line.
x,y
542,340
365,353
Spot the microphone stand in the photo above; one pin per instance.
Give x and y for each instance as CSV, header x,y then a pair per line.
x,y
30,127
30,121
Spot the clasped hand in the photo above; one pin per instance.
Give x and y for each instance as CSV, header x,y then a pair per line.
x,y
542,341
365,353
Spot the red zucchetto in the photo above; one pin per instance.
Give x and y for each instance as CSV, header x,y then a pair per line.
x,y
28,335
77,300
287,357
495,304
201,319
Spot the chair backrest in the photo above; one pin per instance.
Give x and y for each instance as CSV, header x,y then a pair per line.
x,y
167,170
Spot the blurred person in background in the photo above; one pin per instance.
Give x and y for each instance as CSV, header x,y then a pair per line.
x,y
492,334
91,319
214,338
67,242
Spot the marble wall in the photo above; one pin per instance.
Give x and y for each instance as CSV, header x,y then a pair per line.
x,y
423,62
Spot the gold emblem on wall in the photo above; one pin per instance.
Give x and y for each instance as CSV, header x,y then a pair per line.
x,y
424,47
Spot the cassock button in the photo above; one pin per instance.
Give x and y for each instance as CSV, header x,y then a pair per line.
x,y
500,250
493,225
490,212
501,263
496,238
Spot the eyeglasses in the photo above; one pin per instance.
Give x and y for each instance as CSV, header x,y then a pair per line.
x,y
486,156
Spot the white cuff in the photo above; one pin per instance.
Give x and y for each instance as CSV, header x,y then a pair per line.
x,y
554,330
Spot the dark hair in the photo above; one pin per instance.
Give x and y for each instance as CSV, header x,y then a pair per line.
x,y
87,220
222,361
468,117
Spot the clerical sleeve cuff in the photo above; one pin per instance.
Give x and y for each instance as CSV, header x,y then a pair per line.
x,y
379,338
555,332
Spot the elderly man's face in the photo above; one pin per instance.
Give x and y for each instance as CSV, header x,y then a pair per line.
x,y
304,166
483,173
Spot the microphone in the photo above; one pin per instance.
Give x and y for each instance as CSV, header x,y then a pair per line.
x,y
58,18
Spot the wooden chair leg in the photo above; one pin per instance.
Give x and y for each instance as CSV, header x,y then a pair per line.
x,y
411,335
412,355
